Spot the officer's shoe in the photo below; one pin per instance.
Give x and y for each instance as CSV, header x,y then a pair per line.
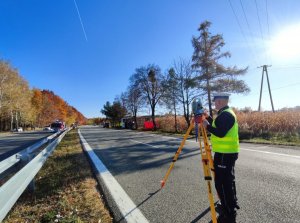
x,y
222,219
226,219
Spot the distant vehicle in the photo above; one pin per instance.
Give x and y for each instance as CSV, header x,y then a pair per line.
x,y
48,128
127,123
57,126
106,125
20,129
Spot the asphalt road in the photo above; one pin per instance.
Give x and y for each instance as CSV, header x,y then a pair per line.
x,y
268,177
15,142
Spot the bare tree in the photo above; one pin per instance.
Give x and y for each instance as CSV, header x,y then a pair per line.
x,y
134,100
212,75
149,79
187,86
170,97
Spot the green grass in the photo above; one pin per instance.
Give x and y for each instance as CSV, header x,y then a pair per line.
x,y
65,190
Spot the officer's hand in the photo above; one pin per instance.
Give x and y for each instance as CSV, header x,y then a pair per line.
x,y
205,123
205,114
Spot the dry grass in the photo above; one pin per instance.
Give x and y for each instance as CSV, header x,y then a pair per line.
x,y
282,127
276,128
167,123
65,190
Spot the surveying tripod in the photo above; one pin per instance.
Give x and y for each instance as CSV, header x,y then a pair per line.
x,y
207,161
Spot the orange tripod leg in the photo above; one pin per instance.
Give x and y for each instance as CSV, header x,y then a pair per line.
x,y
163,182
207,173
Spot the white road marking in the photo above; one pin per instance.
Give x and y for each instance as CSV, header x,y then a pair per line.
x,y
280,154
128,209
144,143
253,150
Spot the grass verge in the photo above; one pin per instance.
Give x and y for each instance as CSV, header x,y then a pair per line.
x,y
66,190
273,141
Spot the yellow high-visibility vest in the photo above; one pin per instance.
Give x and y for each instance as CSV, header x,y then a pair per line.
x,y
230,142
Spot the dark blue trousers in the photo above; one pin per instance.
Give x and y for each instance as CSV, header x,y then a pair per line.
x,y
225,182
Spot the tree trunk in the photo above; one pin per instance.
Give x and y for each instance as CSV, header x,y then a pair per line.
x,y
17,121
176,130
135,119
153,117
208,97
175,115
11,120
188,110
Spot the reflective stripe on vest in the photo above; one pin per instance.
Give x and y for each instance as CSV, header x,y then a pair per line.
x,y
230,142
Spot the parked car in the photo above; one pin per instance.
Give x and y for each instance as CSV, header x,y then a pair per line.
x,y
20,129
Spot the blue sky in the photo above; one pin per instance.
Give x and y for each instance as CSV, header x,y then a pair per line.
x,y
46,42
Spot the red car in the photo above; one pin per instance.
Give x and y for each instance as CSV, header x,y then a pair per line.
x,y
57,126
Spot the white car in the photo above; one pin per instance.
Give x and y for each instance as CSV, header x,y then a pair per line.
x,y
20,129
48,129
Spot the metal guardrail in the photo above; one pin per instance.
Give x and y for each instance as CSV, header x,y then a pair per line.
x,y
15,186
12,160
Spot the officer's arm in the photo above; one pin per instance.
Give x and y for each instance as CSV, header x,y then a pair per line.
x,y
224,123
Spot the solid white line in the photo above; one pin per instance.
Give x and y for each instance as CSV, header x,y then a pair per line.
x,y
253,150
280,154
144,143
128,209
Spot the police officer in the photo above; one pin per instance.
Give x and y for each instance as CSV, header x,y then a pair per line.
x,y
225,145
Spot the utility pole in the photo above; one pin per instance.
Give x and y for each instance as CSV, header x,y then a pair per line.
x,y
261,86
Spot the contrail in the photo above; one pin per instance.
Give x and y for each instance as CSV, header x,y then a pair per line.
x,y
80,21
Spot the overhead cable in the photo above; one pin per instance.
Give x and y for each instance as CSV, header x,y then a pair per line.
x,y
242,31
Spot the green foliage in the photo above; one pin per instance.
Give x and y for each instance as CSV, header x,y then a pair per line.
x,y
115,112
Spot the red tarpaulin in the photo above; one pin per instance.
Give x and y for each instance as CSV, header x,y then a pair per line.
x,y
148,125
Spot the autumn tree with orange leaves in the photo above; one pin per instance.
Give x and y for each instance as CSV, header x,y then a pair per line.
x,y
51,107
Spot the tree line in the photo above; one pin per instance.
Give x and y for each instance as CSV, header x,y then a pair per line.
x,y
199,77
21,106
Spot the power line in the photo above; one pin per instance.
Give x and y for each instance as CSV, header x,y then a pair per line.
x,y
248,25
260,27
268,24
294,84
246,18
242,31
278,88
287,67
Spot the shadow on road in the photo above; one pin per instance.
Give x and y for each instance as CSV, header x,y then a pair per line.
x,y
207,210
150,196
121,155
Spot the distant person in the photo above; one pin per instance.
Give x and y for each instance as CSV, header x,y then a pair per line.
x,y
225,145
